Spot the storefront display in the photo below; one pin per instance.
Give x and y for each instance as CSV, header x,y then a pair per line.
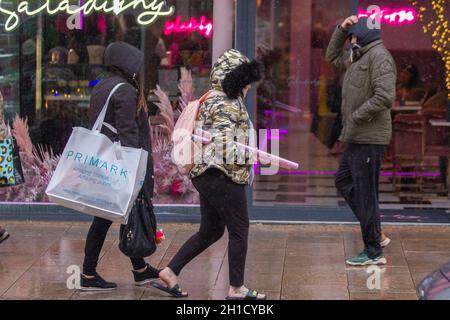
x,y
9,72
55,56
51,57
414,171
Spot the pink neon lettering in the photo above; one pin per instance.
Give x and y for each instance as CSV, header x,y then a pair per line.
x,y
203,26
391,16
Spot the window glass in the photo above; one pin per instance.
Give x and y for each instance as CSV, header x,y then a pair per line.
x,y
50,63
301,97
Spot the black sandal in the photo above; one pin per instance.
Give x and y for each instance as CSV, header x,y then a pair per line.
x,y
175,292
251,295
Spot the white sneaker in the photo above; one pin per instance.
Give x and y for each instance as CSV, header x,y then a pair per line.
x,y
385,241
3,235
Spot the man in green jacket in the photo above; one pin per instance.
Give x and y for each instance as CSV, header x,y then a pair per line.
x,y
367,96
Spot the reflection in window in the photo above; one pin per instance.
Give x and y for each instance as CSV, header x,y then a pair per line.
x,y
301,95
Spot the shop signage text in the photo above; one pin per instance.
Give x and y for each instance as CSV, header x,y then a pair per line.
x,y
390,16
203,26
151,9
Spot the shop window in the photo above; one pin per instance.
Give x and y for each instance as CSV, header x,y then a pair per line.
x,y
48,71
301,96
9,71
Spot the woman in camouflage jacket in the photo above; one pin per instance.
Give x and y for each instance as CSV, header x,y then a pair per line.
x,y
221,177
227,119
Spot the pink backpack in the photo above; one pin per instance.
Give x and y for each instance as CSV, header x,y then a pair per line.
x,y
187,150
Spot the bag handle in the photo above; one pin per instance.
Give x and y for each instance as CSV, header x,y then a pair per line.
x,y
101,117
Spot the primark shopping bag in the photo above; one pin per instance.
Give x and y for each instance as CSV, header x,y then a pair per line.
x,y
96,176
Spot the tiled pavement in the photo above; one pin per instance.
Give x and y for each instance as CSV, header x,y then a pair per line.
x,y
288,262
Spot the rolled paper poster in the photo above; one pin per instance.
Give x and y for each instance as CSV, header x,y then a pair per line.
x,y
265,157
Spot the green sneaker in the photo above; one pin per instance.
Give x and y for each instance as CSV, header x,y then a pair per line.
x,y
363,259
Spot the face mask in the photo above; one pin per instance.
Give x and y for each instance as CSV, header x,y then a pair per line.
x,y
354,52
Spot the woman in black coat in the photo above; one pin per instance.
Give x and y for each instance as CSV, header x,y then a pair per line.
x,y
128,114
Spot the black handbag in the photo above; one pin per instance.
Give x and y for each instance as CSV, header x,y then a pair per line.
x,y
137,237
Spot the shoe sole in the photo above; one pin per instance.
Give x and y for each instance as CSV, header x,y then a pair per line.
x,y
381,261
385,243
143,283
90,289
4,237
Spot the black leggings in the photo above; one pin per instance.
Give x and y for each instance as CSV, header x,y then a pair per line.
x,y
94,243
222,203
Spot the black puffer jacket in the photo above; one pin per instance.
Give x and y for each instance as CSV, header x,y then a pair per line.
x,y
133,130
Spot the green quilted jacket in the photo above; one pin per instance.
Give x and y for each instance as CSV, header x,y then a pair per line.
x,y
368,91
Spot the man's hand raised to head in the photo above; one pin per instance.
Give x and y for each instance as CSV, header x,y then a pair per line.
x,y
349,22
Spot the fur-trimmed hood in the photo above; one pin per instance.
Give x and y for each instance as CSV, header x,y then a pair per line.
x,y
233,71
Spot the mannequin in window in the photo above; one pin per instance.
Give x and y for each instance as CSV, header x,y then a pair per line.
x,y
96,30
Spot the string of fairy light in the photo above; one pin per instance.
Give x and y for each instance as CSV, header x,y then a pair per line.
x,y
438,28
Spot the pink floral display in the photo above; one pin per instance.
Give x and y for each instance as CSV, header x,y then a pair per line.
x,y
171,187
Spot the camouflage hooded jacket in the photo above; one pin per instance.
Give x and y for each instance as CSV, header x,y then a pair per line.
x,y
228,122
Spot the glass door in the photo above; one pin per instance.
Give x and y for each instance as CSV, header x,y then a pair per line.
x,y
297,102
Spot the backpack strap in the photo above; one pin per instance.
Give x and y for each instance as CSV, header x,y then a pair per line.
x,y
211,94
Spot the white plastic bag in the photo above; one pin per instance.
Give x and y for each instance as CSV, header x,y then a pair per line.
x,y
96,176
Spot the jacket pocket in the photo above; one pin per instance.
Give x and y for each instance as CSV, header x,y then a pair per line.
x,y
360,76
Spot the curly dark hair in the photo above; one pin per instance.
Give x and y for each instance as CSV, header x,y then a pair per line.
x,y
240,77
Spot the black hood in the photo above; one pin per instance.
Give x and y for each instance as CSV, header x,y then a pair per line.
x,y
124,57
363,33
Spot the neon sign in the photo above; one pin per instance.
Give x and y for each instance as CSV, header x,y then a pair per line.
x,y
202,26
390,16
152,9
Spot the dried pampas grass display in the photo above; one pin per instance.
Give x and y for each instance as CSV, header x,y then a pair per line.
x,y
38,165
171,187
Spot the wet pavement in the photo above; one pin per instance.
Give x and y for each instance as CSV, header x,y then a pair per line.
x,y
287,262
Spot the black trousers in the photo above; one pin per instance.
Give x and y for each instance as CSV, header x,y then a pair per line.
x,y
357,180
94,243
223,203
335,131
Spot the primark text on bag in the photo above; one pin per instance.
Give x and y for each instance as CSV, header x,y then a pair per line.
x,y
97,176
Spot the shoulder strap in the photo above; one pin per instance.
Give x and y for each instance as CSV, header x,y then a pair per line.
x,y
211,94
101,117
